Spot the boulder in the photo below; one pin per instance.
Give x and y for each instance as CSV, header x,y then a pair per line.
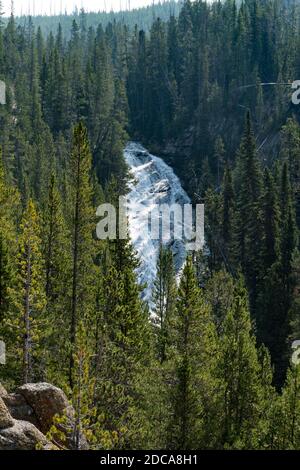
x,y
27,415
6,421
22,436
3,392
19,408
46,401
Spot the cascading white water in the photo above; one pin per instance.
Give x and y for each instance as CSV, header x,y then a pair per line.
x,y
154,182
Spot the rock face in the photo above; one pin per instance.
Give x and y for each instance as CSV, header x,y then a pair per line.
x,y
6,421
22,436
3,392
46,401
27,415
19,408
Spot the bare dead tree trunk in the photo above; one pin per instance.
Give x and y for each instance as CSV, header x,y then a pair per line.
x,y
26,342
75,274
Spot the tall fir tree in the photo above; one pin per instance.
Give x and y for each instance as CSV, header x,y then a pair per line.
x,y
228,216
248,187
164,297
193,391
30,322
272,318
126,342
288,434
83,244
239,372
57,258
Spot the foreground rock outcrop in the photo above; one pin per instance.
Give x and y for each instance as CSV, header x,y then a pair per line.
x,y
22,435
27,416
46,401
6,421
19,408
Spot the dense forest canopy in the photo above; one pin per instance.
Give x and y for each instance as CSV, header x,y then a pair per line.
x,y
143,17
208,87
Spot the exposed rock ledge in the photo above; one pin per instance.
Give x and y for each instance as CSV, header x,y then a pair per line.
x,y
27,415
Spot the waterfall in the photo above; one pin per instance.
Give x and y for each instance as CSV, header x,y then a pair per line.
x,y
153,182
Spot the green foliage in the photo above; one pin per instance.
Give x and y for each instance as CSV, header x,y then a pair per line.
x,y
27,315
288,433
83,245
199,371
248,183
164,297
241,378
57,256
193,392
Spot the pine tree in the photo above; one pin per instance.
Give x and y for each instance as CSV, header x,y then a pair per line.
x,y
290,151
259,108
219,293
5,281
36,109
240,375
228,215
164,297
158,95
125,345
288,434
218,158
193,390
263,436
30,295
83,430
9,207
9,201
289,236
86,422
294,317
57,258
271,313
213,217
83,270
248,187
271,221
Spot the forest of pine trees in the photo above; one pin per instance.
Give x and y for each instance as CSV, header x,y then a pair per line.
x,y
211,369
